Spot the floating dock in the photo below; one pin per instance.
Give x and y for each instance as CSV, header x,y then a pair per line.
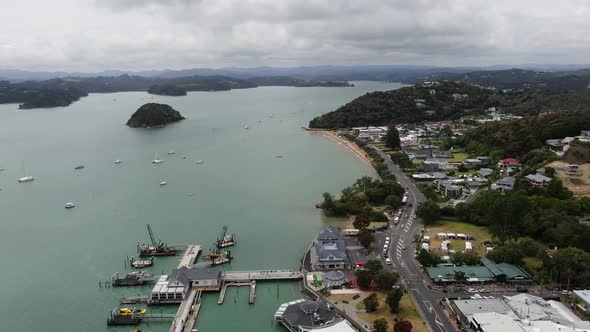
x,y
251,284
117,318
138,278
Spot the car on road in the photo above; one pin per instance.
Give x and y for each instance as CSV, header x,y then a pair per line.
x,y
407,215
565,292
471,290
387,239
483,290
404,248
387,261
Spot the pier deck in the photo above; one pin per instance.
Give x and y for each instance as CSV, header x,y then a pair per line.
x,y
190,256
236,276
187,312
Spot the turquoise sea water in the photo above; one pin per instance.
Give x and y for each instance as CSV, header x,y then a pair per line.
x,y
52,258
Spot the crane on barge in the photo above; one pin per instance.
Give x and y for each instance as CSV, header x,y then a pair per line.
x,y
158,248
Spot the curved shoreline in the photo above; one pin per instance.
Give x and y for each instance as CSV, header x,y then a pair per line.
x,y
333,136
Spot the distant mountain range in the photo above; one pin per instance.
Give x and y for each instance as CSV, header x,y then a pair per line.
x,y
341,73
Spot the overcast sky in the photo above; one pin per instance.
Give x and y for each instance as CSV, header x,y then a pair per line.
x,y
93,35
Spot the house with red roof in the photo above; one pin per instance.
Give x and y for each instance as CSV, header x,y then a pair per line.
x,y
509,165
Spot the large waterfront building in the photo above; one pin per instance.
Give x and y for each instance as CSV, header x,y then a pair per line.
x,y
328,251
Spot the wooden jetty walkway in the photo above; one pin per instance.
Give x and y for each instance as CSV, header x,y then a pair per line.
x,y
187,313
240,276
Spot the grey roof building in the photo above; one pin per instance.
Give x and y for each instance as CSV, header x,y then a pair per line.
x,y
504,184
329,251
196,277
303,316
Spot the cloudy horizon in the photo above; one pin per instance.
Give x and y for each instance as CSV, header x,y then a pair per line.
x,y
96,35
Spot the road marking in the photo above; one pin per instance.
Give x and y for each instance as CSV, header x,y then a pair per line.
x,y
428,306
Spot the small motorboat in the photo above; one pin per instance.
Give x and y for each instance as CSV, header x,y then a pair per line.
x,y
199,162
26,179
183,157
245,126
79,167
157,161
163,183
171,152
70,205
279,156
117,161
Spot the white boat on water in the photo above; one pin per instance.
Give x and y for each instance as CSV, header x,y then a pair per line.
x,y
163,183
245,126
171,152
199,162
117,161
156,160
70,205
26,179
79,166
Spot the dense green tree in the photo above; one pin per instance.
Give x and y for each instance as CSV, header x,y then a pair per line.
x,y
371,302
366,238
402,326
363,278
556,189
428,211
392,138
445,132
426,258
393,298
467,258
508,253
571,265
401,159
380,325
374,266
385,279
361,221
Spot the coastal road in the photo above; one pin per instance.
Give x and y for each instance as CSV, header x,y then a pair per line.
x,y
402,255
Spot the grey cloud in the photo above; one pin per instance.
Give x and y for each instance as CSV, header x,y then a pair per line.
x,y
148,34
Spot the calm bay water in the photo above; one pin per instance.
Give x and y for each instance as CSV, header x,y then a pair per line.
x,y
52,258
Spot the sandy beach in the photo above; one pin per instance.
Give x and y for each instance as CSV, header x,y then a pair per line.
x,y
331,135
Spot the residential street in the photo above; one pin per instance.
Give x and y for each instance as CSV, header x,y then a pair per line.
x,y
401,253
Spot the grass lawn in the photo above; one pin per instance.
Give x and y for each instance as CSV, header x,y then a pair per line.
x,y
416,161
407,312
531,264
457,157
450,225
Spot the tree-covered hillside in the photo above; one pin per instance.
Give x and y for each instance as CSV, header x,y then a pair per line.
x,y
517,137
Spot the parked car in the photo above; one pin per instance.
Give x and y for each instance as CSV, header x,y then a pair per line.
x,y
483,290
387,261
471,290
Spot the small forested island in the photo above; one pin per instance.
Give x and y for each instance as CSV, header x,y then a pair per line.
x,y
154,115
166,90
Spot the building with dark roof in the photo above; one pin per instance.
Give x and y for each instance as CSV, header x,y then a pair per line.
x,y
303,316
328,251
